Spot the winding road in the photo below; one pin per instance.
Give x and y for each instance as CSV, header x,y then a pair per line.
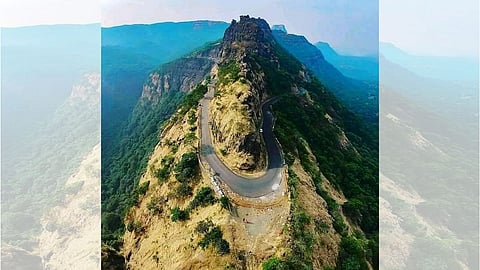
x,y
257,187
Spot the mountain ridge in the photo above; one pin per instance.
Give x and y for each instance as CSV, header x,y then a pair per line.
x,y
359,96
364,68
328,153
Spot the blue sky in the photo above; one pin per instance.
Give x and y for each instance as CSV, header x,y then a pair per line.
x,y
15,13
431,27
350,26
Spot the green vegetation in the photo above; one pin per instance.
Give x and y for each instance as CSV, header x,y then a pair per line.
x,y
191,101
212,235
122,169
190,137
352,254
192,118
143,188
187,167
228,73
204,197
300,125
163,172
183,190
356,95
225,202
178,215
135,226
139,191
203,227
154,206
300,257
273,263
301,248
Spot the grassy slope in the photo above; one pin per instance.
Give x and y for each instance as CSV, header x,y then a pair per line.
x,y
300,125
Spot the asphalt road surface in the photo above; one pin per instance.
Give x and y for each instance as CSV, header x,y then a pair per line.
x,y
247,187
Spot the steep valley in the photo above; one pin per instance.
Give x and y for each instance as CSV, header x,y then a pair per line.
x,y
174,217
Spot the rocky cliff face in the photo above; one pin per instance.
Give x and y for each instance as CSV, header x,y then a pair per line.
x,y
279,27
240,90
309,229
309,55
236,120
180,75
247,35
70,236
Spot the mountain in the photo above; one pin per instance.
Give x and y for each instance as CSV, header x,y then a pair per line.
x,y
35,177
68,51
360,97
452,100
363,68
130,52
428,189
429,172
50,110
279,27
327,51
161,208
445,68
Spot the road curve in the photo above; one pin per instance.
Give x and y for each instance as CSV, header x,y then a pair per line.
x,y
247,187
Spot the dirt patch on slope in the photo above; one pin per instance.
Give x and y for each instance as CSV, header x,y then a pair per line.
x,y
161,243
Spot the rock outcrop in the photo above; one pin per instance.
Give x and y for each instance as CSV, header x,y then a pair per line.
x,y
309,229
180,75
279,27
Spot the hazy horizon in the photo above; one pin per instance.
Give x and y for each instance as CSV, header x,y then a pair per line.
x,y
348,26
431,27
404,50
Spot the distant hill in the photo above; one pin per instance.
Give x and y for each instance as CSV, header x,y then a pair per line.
x,y
429,149
30,57
358,96
130,52
459,69
50,113
363,68
452,100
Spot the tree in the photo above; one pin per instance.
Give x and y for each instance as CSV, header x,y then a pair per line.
x,y
204,226
183,190
154,206
142,189
273,263
225,202
223,247
204,197
187,167
178,215
163,173
111,221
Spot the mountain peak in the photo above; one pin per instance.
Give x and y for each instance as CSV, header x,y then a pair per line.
x,y
326,49
279,27
248,29
248,35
